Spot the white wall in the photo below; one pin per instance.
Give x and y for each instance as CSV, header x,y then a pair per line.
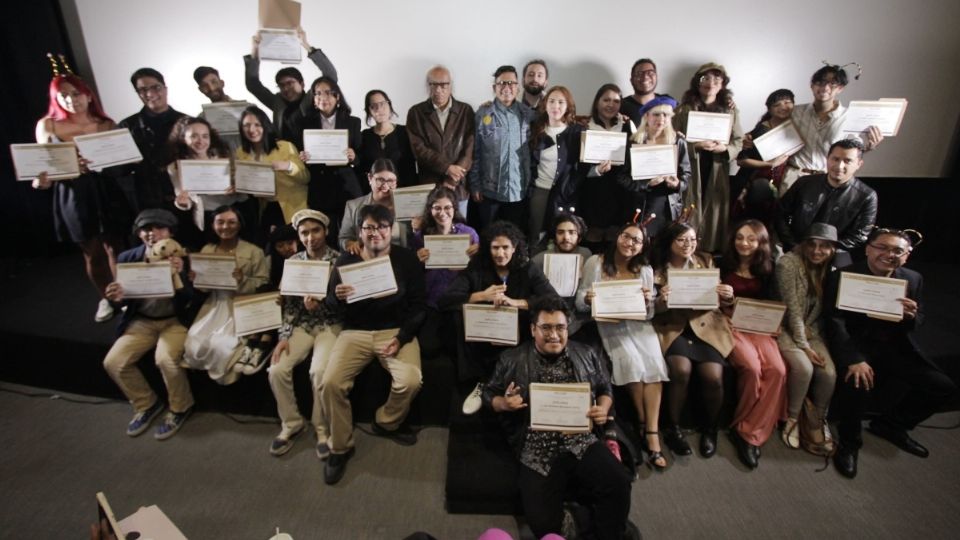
x,y
906,50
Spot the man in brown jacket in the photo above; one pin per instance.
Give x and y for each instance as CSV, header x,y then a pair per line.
x,y
441,133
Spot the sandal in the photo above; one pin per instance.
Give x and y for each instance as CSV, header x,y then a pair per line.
x,y
656,459
791,433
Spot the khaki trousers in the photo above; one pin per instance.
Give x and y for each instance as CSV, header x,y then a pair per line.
x,y
281,378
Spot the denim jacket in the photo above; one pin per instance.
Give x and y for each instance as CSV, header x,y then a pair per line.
x,y
490,173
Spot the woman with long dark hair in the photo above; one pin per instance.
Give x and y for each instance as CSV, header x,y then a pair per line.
x,y
385,139
441,216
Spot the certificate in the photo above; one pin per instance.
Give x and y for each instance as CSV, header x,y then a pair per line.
x,y
652,160
886,114
783,139
58,160
145,280
447,250
560,407
214,271
279,44
489,324
108,148
757,316
305,278
370,279
225,116
693,289
257,313
597,146
620,299
876,296
409,202
204,176
707,126
327,146
255,178
563,272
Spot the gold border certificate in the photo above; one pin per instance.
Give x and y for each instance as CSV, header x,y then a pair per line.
x,y
213,271
305,278
886,114
58,160
873,295
489,324
327,146
757,316
204,176
597,146
447,250
563,272
145,280
708,126
108,148
652,160
257,313
255,178
409,202
619,299
560,407
693,289
783,139
370,279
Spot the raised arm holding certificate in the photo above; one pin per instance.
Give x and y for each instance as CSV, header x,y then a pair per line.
x,y
214,271
621,299
652,160
886,114
328,146
225,115
447,250
204,176
108,148
598,146
876,296
783,139
707,126
145,280
563,272
305,278
408,202
560,407
255,178
280,44
489,324
257,313
58,160
693,289
369,279
757,316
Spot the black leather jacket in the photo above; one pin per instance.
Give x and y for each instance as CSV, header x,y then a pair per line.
x,y
851,208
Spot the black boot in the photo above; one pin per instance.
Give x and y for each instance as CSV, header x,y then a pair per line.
x,y
676,442
708,442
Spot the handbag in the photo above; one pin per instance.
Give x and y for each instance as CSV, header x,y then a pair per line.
x,y
814,431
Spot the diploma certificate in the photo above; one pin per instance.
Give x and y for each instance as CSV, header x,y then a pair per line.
x,y
108,148
447,250
597,146
876,296
225,116
560,407
707,126
620,299
58,160
370,279
305,278
693,289
563,272
327,146
757,316
409,202
783,139
255,178
213,271
886,114
257,313
204,176
279,44
145,280
652,160
489,324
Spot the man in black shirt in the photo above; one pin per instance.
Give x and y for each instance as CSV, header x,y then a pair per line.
x,y
643,78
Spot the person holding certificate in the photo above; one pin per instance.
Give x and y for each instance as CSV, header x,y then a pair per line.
x,y
747,269
689,339
258,142
801,276
659,199
382,178
90,210
502,275
331,186
567,232
553,462
554,158
308,325
383,328
149,323
212,344
441,217
871,352
709,190
631,345
385,140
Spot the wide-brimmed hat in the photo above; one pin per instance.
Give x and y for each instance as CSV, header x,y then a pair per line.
x,y
822,231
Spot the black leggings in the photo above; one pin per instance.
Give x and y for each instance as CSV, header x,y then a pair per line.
x,y
711,384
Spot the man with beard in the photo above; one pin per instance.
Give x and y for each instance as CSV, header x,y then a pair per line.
x,y
643,78
568,230
211,85
535,75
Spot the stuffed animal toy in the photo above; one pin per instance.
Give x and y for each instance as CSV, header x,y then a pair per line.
x,y
163,250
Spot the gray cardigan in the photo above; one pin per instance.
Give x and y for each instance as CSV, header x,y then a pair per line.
x,y
802,319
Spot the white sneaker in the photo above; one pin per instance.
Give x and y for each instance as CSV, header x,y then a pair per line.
x,y
241,363
104,311
473,402
255,361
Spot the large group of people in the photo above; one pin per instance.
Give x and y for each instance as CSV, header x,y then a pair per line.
x,y
509,175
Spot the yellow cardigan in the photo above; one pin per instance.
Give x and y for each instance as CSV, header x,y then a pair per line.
x,y
291,186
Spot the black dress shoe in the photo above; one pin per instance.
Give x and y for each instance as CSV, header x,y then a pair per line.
x,y
745,451
403,435
846,462
676,441
708,443
898,437
335,466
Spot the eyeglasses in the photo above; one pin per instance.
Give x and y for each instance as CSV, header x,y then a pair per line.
x,y
155,88
645,73
896,251
638,240
551,328
377,105
685,241
506,84
443,85
374,228
327,93
711,79
827,84
445,209
385,181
